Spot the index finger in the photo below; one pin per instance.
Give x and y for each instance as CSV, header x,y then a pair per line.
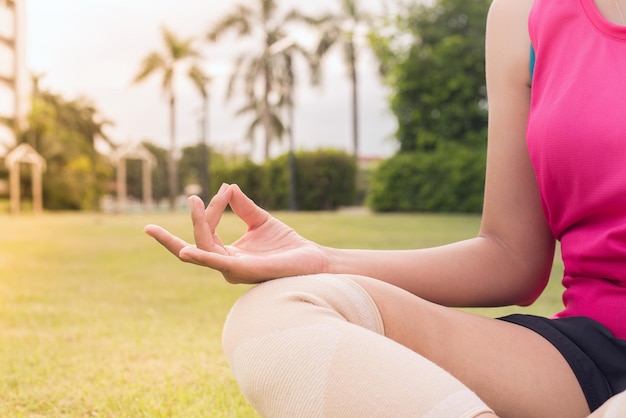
x,y
166,239
205,221
217,205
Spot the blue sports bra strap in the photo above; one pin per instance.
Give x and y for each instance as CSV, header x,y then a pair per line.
x,y
532,62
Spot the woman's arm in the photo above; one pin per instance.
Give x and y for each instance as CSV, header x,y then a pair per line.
x,y
510,261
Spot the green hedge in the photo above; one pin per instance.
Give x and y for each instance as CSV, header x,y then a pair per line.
x,y
325,180
247,174
450,179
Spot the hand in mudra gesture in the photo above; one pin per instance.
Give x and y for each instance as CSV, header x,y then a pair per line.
x,y
268,250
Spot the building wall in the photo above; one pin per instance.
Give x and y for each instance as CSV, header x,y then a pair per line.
x,y
14,78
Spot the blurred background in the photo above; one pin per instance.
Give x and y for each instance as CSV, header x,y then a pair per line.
x,y
138,104
95,50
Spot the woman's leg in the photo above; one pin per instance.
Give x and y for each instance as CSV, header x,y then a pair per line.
x,y
514,370
312,346
613,408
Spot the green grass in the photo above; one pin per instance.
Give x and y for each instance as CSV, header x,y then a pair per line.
x,y
97,320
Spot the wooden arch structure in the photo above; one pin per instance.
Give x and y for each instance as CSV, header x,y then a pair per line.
x,y
134,152
25,154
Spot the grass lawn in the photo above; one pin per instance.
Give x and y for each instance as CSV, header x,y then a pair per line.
x,y
97,320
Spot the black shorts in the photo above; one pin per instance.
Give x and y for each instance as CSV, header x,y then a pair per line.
x,y
597,358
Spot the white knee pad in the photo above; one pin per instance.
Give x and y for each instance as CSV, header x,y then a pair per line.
x,y
313,346
617,408
282,300
284,324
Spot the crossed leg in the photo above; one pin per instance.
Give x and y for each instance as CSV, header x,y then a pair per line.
x,y
514,370
613,408
353,346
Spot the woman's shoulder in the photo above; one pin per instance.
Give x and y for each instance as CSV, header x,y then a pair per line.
x,y
508,40
514,12
514,6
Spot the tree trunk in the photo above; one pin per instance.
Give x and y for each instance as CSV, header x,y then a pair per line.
x,y
293,176
204,149
172,174
355,102
267,114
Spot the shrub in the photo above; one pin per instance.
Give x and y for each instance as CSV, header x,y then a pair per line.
x,y
326,179
246,174
276,183
450,179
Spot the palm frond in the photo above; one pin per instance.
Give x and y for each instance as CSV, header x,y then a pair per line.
x,y
199,78
169,37
313,21
312,60
349,7
251,106
278,127
185,50
168,77
151,63
254,125
268,8
327,40
252,74
234,78
239,21
178,48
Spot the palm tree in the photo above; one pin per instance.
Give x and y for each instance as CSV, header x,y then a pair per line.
x,y
265,116
167,62
258,73
343,29
285,52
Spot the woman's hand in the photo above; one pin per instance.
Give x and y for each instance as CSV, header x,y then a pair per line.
x,y
268,250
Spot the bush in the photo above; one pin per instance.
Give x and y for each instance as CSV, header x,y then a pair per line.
x,y
450,179
248,175
326,179
276,183
76,185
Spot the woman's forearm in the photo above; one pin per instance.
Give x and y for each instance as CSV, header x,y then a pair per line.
x,y
475,272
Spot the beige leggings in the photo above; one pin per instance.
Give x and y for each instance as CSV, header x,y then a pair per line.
x,y
613,408
315,346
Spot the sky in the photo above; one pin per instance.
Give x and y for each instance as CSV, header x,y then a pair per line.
x,y
93,49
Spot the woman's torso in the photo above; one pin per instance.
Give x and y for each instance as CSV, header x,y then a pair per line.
x,y
577,144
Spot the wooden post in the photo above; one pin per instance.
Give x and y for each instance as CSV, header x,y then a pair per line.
x,y
14,185
121,157
146,181
37,188
25,154
121,184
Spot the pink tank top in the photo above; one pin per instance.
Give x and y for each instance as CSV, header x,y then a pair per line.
x,y
577,144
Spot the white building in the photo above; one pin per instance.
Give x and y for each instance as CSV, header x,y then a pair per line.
x,y
14,79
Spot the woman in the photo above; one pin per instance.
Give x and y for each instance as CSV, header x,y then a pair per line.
x,y
369,333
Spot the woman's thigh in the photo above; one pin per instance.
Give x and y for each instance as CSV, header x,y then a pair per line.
x,y
514,370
